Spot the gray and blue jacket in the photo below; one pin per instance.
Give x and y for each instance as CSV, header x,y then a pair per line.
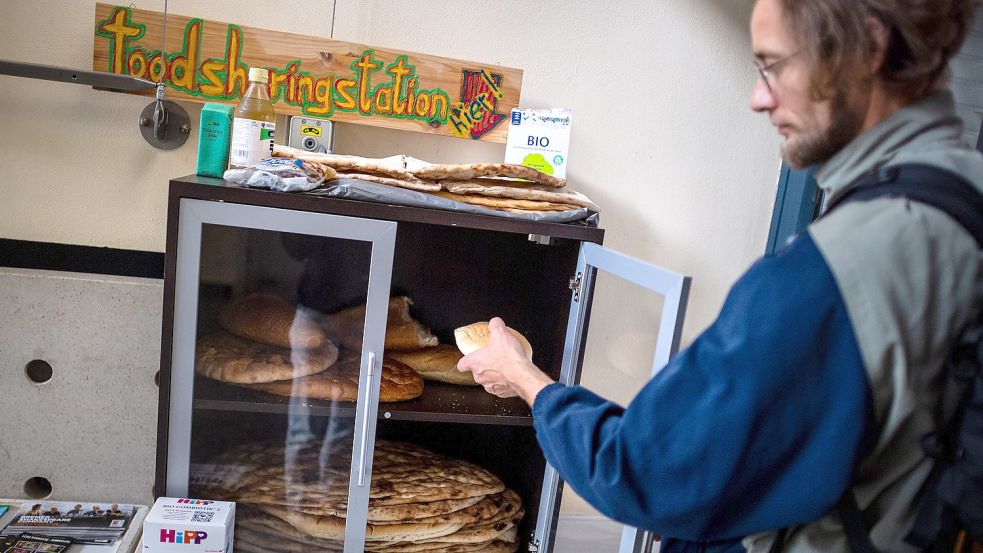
x,y
822,371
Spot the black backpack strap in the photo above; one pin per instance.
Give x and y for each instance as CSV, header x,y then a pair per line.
x,y
857,534
779,543
927,184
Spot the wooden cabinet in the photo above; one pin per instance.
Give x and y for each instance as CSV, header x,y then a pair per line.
x,y
328,254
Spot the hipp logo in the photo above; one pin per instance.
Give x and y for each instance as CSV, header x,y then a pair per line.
x,y
194,501
187,536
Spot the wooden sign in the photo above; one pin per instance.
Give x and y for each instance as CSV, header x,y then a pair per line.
x,y
310,76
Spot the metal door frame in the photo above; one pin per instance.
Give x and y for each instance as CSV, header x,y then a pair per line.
x,y
675,290
381,234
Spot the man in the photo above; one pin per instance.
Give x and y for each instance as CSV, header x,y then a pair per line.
x,y
790,399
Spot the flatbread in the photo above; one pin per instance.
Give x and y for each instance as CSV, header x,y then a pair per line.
x,y
391,166
519,190
329,527
475,510
256,537
494,546
505,203
268,318
402,474
417,184
229,358
500,525
340,382
431,511
438,363
267,524
403,332
476,170
504,531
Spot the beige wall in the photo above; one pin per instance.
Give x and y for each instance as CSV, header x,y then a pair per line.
x,y
684,172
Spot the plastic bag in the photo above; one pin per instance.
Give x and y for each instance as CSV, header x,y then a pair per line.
x,y
280,174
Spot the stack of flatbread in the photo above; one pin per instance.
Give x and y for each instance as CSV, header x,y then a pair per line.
x,y
268,344
419,501
505,187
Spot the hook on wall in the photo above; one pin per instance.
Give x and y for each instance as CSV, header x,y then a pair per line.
x,y
164,124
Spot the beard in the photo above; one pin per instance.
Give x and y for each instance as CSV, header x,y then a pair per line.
x,y
819,145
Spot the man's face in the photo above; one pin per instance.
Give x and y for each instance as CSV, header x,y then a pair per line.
x,y
814,130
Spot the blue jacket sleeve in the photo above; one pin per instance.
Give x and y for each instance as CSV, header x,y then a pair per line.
x,y
757,425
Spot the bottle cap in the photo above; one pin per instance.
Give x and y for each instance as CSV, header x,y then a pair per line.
x,y
259,74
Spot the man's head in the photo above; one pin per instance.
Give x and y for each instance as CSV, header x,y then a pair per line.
x,y
834,68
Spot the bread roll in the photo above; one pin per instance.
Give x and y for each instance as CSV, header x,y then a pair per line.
x,y
269,319
475,336
437,363
403,332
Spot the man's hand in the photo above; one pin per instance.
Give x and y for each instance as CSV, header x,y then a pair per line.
x,y
503,368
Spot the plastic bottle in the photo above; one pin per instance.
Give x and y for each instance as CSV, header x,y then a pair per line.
x,y
254,122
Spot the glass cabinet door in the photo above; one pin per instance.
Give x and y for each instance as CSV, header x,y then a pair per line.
x,y
278,325
643,307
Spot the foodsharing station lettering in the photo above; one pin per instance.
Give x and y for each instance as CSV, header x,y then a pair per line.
x,y
373,85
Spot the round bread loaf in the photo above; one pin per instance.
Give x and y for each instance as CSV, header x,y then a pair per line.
x,y
436,363
269,319
475,336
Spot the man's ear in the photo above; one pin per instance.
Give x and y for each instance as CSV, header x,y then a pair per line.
x,y
879,37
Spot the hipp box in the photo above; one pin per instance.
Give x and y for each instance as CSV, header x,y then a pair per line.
x,y
189,525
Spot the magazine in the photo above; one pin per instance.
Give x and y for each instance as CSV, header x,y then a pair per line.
x,y
94,523
37,543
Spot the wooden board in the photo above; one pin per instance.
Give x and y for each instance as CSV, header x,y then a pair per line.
x,y
310,76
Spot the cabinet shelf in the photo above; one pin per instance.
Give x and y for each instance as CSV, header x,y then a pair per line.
x,y
440,402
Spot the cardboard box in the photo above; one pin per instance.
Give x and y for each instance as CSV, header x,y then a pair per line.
x,y
540,138
189,525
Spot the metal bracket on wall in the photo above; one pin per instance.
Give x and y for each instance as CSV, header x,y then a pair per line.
x,y
165,124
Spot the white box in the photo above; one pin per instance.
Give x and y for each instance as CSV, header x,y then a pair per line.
x,y
189,525
540,138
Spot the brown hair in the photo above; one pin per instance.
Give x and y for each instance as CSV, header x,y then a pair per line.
x,y
924,35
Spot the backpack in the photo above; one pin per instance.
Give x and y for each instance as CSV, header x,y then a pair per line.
x,y
950,514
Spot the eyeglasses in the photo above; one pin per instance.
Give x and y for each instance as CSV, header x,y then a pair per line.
x,y
772,70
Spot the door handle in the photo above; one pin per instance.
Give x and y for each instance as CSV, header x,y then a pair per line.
x,y
370,389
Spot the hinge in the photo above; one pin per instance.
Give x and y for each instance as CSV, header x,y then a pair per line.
x,y
577,285
542,239
533,543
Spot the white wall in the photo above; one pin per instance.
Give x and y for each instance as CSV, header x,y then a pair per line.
x,y
662,137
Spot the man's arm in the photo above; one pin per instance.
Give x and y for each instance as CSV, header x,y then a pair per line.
x,y
757,425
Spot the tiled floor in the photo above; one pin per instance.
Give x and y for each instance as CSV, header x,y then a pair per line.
x,y
586,534
589,534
